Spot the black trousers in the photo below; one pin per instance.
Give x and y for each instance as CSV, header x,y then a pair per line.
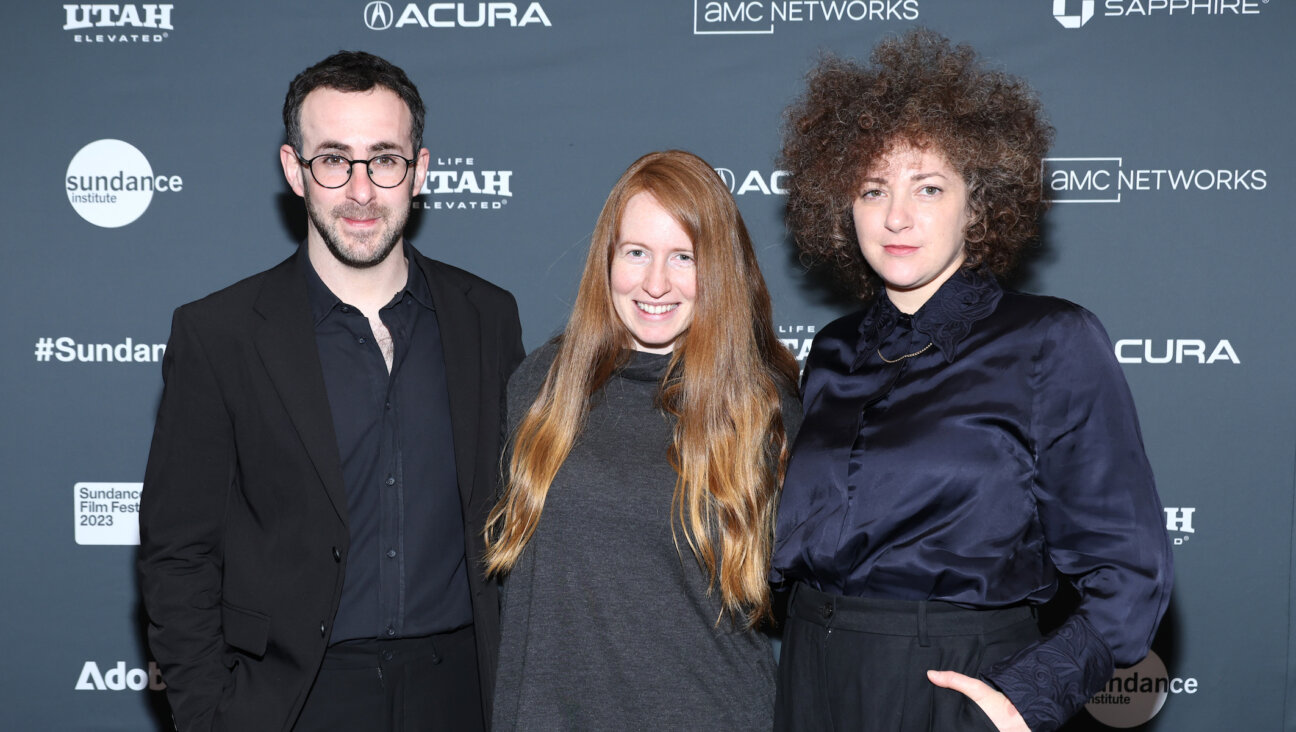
x,y
852,663
405,685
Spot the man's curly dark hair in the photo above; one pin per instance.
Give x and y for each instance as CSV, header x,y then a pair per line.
x,y
919,91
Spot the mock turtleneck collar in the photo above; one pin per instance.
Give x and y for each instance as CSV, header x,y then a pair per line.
x,y
645,366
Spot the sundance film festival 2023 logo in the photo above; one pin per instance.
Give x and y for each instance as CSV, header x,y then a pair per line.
x,y
746,17
106,513
118,23
111,184
380,15
1077,13
1108,179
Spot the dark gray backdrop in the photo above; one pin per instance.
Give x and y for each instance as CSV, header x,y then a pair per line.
x,y
1196,255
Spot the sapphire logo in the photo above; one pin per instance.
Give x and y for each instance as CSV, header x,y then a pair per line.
x,y
1072,20
378,15
1075,13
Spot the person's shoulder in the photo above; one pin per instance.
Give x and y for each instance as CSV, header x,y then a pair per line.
x,y
477,285
1059,327
844,325
1047,310
525,383
239,296
535,366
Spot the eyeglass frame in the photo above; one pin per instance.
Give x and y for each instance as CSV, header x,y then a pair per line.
x,y
409,163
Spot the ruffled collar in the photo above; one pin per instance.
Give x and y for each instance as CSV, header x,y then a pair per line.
x,y
966,297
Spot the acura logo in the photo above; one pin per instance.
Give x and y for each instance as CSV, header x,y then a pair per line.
x,y
378,15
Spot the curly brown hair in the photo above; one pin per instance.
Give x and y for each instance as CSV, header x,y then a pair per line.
x,y
922,92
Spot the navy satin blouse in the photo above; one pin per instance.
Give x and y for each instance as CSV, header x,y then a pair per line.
x,y
1004,455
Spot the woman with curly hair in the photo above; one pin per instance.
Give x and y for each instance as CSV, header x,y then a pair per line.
x,y
649,443
965,448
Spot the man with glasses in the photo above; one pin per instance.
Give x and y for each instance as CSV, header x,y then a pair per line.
x,y
326,451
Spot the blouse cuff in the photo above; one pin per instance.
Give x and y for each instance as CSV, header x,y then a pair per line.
x,y
1050,680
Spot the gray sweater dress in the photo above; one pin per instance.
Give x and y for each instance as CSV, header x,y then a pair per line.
x,y
606,624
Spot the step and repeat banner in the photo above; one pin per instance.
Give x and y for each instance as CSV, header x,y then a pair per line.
x,y
142,172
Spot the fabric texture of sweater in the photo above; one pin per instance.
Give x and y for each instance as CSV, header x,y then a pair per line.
x,y
607,619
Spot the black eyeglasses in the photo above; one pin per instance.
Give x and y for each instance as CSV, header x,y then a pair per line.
x,y
331,170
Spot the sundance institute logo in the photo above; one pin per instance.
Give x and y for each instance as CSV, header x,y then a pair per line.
x,y
1134,695
111,184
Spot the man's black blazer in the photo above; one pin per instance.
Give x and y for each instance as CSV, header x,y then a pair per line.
x,y
243,522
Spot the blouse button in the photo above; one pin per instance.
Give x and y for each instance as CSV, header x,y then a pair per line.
x,y
827,610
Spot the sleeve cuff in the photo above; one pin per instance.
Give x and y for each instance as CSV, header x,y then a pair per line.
x,y
1048,682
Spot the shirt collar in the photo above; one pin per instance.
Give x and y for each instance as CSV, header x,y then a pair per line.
x,y
323,301
416,284
966,297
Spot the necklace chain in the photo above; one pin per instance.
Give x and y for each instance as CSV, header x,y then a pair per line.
x,y
907,355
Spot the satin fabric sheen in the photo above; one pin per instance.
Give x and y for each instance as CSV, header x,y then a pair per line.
x,y
980,472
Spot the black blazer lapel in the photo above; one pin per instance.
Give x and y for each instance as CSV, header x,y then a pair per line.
x,y
459,322
286,344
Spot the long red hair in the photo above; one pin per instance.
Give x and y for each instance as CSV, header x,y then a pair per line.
x,y
722,385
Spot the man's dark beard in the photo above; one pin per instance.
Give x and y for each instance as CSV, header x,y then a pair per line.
x,y
322,225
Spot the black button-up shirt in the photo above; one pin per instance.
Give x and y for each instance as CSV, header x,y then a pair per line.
x,y
406,575
994,449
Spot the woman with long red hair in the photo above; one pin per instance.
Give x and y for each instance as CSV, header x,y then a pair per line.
x,y
648,445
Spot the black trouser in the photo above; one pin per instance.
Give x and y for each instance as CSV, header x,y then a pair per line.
x,y
852,663
404,685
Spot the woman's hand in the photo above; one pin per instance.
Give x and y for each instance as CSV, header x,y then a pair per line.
x,y
995,705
